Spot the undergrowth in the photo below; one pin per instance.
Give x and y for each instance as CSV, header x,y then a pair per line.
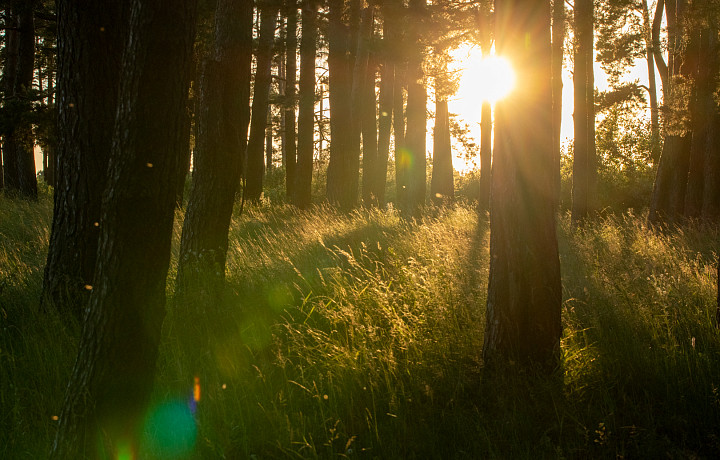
x,y
359,335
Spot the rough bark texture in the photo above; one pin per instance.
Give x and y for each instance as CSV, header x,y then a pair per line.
x,y
306,115
524,292
90,44
290,145
442,184
255,170
414,155
112,379
584,165
221,139
340,106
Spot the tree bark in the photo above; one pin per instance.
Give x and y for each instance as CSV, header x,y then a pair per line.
x,y
385,108
11,181
558,52
524,292
290,95
667,203
223,118
255,169
584,165
112,379
306,115
90,44
414,162
340,105
442,184
369,124
652,85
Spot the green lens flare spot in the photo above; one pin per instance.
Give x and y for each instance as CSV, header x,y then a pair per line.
x,y
170,430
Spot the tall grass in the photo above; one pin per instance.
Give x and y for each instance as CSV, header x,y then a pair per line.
x,y
359,335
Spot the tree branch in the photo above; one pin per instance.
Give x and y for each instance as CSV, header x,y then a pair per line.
x,y
659,59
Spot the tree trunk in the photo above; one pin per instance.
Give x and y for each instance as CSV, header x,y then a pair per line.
x,y
442,184
340,105
112,379
90,44
306,115
290,95
11,181
385,109
269,143
223,118
667,203
415,149
369,125
652,85
583,192
399,135
485,155
524,292
255,170
558,52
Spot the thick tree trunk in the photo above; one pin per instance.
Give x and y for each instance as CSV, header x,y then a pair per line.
x,y
290,148
584,166
357,96
223,119
385,108
90,45
442,184
18,148
414,162
306,115
11,181
112,379
524,292
369,125
340,105
558,52
667,203
255,170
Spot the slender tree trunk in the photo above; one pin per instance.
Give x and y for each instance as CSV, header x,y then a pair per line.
x,y
415,148
306,116
652,85
369,125
385,109
442,184
558,52
90,46
50,150
261,93
290,95
485,155
269,143
584,116
340,105
112,379
222,118
524,292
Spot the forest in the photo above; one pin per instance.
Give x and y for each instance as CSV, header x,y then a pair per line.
x,y
237,229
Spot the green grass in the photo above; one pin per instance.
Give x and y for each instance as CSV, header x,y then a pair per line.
x,y
360,336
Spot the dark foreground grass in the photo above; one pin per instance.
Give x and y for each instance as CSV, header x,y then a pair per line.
x,y
359,335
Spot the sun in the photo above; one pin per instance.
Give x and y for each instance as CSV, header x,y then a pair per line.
x,y
486,78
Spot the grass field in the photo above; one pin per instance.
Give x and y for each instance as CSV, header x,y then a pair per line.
x,y
360,336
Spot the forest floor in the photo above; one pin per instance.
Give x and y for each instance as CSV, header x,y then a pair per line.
x,y
360,336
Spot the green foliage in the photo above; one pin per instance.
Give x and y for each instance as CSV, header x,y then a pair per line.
x,y
359,335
